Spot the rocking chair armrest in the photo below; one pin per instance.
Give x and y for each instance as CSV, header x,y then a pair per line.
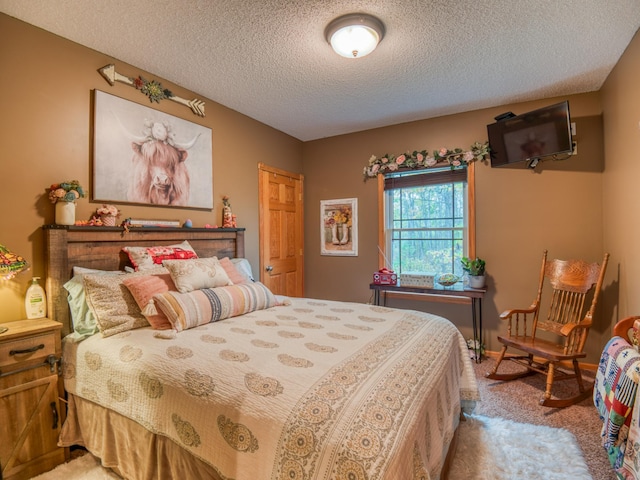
x,y
570,327
509,313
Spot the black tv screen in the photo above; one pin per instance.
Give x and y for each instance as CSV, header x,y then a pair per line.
x,y
522,140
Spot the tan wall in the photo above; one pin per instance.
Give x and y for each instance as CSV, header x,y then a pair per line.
x,y
621,103
46,89
519,213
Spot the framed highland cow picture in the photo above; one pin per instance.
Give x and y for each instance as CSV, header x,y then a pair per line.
x,y
143,156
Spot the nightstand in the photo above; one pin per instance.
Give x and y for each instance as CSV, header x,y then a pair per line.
x,y
30,387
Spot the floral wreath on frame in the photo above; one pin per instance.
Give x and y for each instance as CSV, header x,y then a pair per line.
x,y
421,159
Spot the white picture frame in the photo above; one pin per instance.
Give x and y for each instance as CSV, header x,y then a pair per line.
x,y
339,227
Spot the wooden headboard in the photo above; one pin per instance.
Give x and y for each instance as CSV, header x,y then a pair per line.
x,y
101,248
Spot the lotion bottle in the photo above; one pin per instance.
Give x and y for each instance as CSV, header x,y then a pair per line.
x,y
35,301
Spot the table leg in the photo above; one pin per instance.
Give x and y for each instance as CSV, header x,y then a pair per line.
x,y
476,303
480,328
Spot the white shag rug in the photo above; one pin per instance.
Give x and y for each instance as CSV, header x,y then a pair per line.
x,y
499,449
488,449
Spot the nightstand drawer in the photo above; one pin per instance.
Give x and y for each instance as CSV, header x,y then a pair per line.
x,y
36,347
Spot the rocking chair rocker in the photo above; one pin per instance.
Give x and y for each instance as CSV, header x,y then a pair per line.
x,y
570,282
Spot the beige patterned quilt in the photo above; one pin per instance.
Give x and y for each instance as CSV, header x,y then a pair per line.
x,y
312,390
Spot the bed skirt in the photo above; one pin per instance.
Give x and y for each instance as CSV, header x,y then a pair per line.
x,y
125,446
110,437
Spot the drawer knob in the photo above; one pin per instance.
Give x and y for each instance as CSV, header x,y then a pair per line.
x,y
27,350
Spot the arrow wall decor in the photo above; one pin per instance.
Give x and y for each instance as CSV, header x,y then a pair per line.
x,y
151,89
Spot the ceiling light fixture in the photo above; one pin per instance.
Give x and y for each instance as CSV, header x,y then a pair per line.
x,y
354,35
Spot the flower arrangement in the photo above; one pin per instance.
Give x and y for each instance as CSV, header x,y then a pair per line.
x,y
68,191
341,216
415,160
108,210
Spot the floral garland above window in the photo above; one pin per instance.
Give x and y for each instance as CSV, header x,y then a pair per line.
x,y
417,160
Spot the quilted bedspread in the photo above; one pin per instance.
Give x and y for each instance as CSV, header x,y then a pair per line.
x,y
311,390
614,395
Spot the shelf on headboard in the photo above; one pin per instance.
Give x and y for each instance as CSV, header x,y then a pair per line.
x,y
100,248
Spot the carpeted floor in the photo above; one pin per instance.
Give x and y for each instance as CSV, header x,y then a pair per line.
x,y
518,401
503,404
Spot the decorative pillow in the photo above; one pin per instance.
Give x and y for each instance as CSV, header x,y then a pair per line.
x,y
143,288
232,272
244,267
189,310
197,273
82,319
144,258
111,303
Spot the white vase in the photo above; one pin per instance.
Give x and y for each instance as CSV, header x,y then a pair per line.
x,y
476,281
65,213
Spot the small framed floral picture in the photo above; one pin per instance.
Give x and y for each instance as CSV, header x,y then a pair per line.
x,y
339,227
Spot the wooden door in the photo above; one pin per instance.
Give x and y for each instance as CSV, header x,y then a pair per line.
x,y
281,231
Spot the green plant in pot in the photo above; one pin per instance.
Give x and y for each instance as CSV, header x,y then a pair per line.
x,y
475,270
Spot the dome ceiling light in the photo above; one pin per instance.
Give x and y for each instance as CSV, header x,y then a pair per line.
x,y
354,35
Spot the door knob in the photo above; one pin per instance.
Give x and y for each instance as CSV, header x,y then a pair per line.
x,y
269,268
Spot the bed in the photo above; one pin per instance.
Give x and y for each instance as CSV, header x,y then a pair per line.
x,y
298,389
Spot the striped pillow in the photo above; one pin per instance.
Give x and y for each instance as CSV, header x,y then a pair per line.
x,y
189,310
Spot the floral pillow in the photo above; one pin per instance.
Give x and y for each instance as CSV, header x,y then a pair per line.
x,y
144,258
197,273
189,310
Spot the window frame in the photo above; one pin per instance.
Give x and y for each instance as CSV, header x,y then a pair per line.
x,y
471,213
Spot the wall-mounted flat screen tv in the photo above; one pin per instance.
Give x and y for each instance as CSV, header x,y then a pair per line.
x,y
523,140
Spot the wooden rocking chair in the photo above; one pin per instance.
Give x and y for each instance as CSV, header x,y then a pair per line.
x,y
570,282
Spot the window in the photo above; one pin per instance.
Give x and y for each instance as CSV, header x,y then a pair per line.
x,y
427,220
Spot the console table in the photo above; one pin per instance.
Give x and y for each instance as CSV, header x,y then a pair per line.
x,y
457,290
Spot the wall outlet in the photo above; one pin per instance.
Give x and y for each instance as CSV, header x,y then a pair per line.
x,y
573,128
575,148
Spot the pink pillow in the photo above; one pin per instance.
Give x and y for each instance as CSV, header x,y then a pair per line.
x,y
232,272
143,288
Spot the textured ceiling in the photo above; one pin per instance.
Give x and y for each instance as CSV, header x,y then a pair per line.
x,y
268,59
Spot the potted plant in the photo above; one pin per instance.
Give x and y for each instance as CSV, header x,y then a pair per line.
x,y
475,270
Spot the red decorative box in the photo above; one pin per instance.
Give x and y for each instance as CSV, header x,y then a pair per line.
x,y
385,277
